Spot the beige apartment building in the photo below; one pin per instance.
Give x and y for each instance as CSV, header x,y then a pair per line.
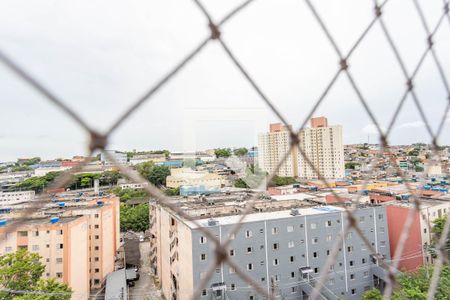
x,y
272,147
322,145
63,244
77,241
188,177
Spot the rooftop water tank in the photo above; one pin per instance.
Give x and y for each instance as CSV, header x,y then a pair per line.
x,y
3,222
99,202
61,204
54,220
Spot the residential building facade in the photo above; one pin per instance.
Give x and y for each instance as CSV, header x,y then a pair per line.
x,y
283,251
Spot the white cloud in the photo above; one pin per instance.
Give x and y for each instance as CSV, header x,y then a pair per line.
x,y
372,129
409,125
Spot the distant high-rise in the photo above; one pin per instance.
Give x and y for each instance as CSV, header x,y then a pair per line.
x,y
272,147
322,145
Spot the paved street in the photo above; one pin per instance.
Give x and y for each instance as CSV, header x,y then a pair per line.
x,y
142,288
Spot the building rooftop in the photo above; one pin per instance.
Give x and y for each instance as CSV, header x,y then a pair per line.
x,y
272,215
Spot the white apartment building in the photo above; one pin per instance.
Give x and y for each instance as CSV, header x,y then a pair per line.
x,y
119,157
322,145
12,198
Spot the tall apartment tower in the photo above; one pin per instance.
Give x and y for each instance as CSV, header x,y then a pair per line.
x,y
272,147
323,146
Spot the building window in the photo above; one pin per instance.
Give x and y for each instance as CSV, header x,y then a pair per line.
x,y
351,263
203,256
204,293
248,234
349,235
315,254
36,233
352,276
59,274
366,274
292,259
59,246
261,263
331,267
382,229
249,250
350,249
293,289
96,259
315,240
47,259
48,231
23,233
231,252
96,248
329,238
275,262
301,225
232,287
424,230
316,270
59,260
96,216
382,243
363,260
331,281
353,291
35,247
276,246
277,277
275,230
60,232
231,236
362,219
96,226
292,274
231,270
291,244
8,249
97,237
380,216
313,225
290,228
249,267
96,281
202,240
328,223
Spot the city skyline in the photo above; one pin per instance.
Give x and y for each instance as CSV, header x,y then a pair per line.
x,y
70,59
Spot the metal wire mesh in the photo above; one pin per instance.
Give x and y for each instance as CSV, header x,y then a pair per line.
x,y
98,141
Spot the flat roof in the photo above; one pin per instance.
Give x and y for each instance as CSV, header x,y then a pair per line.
x,y
270,215
116,285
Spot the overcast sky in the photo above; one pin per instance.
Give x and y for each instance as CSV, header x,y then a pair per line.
x,y
100,56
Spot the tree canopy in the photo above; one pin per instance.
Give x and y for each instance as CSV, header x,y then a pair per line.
x,y
240,151
135,218
280,181
222,152
37,183
414,285
21,271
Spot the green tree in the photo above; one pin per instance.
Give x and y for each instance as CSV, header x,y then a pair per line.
x,y
127,194
158,175
351,165
240,151
58,291
222,152
37,183
145,168
240,183
172,191
280,181
22,271
438,228
135,218
373,294
414,285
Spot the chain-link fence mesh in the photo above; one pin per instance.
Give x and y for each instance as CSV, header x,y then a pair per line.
x,y
98,141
